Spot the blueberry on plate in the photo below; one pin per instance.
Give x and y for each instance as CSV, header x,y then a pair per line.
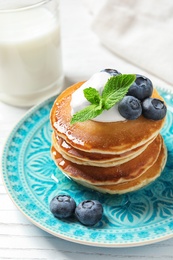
x,y
153,108
112,72
62,206
130,107
142,88
89,212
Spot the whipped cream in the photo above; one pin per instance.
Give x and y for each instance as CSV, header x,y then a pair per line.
x,y
79,102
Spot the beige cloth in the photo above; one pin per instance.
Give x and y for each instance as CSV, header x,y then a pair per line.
x,y
140,31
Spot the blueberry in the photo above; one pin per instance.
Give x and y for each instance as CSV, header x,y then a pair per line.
x,y
112,72
153,108
130,107
142,88
89,212
62,206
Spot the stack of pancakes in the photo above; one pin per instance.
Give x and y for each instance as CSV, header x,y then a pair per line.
x,y
114,157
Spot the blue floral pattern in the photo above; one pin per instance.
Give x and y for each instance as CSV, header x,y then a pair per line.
x,y
32,179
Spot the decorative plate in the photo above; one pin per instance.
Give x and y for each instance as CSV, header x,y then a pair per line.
x,y
32,180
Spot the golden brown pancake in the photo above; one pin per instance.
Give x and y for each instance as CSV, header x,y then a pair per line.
x,y
114,157
94,159
110,175
92,136
146,178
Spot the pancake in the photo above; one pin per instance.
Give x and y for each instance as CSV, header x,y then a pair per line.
x,y
94,159
145,179
99,137
110,175
110,157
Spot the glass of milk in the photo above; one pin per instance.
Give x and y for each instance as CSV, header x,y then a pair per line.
x,y
30,51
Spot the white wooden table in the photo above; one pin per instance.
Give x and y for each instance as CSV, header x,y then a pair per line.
x,y
20,239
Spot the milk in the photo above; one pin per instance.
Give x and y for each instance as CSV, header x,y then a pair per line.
x,y
30,56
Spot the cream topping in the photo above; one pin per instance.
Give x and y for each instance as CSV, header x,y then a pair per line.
x,y
78,100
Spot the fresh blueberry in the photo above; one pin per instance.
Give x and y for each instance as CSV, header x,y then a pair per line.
x,y
153,108
89,212
130,107
112,72
62,206
142,88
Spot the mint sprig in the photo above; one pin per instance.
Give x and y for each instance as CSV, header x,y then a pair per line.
x,y
114,90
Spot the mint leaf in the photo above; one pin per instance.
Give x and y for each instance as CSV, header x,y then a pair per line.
x,y
116,88
92,95
87,113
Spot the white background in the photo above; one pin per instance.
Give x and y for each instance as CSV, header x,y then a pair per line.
x,y
20,239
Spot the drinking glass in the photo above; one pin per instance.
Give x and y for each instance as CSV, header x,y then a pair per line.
x,y
30,51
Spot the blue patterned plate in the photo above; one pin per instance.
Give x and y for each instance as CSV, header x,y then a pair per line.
x,y
32,180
